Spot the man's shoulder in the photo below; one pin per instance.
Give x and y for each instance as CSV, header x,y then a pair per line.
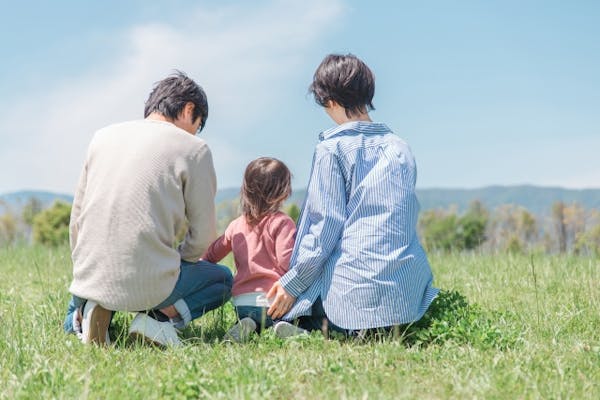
x,y
121,125
155,132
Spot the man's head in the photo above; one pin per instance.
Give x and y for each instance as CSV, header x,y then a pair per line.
x,y
345,80
178,96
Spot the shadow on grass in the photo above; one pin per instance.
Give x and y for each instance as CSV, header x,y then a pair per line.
x,y
450,319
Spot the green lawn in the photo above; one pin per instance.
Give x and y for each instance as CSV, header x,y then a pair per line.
x,y
531,329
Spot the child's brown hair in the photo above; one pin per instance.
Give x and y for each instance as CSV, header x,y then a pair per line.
x,y
267,184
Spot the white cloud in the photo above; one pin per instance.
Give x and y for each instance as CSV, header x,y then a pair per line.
x,y
242,56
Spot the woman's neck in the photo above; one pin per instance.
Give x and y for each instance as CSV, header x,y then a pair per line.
x,y
338,114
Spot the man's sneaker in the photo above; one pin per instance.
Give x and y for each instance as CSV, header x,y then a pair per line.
x,y
150,330
94,323
241,331
284,330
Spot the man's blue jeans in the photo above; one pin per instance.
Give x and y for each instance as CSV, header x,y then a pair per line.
x,y
201,287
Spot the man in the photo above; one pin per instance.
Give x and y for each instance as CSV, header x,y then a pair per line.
x,y
143,181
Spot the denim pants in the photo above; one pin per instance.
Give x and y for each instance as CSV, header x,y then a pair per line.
x,y
201,287
318,319
256,313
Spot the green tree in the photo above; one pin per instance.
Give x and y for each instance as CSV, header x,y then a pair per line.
x,y
32,208
227,211
51,226
472,226
293,211
558,216
8,229
439,230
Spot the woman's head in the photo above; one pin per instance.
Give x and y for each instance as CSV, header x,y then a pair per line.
x,y
346,80
267,184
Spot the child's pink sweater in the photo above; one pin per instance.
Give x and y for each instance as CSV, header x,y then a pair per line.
x,y
262,253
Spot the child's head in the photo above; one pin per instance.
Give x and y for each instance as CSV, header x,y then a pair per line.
x,y
267,184
346,80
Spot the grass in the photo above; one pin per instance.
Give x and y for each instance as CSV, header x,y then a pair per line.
x,y
503,329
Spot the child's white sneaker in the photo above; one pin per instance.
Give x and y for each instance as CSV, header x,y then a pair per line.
x,y
153,331
284,330
95,320
241,331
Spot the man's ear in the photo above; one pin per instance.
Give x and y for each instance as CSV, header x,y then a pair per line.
x,y
188,109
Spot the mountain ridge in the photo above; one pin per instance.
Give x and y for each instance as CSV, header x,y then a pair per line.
x,y
536,199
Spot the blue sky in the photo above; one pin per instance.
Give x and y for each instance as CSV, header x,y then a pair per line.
x,y
486,93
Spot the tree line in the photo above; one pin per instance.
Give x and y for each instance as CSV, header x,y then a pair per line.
x,y
566,228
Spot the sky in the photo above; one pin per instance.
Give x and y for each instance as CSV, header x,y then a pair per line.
x,y
485,92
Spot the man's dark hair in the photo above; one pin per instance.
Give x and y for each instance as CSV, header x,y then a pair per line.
x,y
169,97
346,80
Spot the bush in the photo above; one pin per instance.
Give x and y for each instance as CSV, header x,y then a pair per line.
x,y
451,318
51,226
293,211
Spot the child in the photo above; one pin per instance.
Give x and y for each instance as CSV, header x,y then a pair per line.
x,y
261,241
357,263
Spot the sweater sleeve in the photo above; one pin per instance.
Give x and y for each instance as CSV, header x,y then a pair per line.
x,y
219,248
76,207
199,196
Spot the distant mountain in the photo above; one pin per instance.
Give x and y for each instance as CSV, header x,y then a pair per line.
x,y
536,199
15,201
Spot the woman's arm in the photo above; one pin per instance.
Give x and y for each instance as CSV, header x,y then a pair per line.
x,y
321,225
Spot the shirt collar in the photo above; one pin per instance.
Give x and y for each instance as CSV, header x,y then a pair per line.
x,y
363,127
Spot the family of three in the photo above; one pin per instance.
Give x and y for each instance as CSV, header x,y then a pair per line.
x,y
352,264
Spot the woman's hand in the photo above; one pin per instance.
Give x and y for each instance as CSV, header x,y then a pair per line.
x,y
282,301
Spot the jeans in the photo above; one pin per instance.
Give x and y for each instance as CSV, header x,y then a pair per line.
x,y
258,314
318,319
201,287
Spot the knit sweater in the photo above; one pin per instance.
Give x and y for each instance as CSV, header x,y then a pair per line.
x,y
141,182
261,253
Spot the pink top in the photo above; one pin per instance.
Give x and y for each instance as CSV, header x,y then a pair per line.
x,y
261,253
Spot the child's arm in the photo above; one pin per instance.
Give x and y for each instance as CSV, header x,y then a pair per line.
x,y
219,248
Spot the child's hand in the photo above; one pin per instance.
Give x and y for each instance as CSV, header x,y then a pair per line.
x,y
282,302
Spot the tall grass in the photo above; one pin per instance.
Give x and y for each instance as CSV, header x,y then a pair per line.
x,y
491,339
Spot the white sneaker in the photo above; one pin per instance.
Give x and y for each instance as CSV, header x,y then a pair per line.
x,y
284,330
94,323
241,331
150,330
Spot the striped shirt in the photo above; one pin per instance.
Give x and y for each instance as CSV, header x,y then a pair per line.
x,y
357,246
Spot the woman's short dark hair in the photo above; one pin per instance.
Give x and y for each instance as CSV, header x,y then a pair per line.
x,y
267,184
346,80
169,97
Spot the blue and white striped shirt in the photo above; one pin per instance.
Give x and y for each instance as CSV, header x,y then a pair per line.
x,y
357,245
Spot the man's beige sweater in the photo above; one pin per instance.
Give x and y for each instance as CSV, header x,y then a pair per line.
x,y
142,180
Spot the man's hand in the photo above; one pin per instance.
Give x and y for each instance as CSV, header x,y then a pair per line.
x,y
281,303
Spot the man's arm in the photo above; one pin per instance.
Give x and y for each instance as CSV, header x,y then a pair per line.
x,y
76,207
199,196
